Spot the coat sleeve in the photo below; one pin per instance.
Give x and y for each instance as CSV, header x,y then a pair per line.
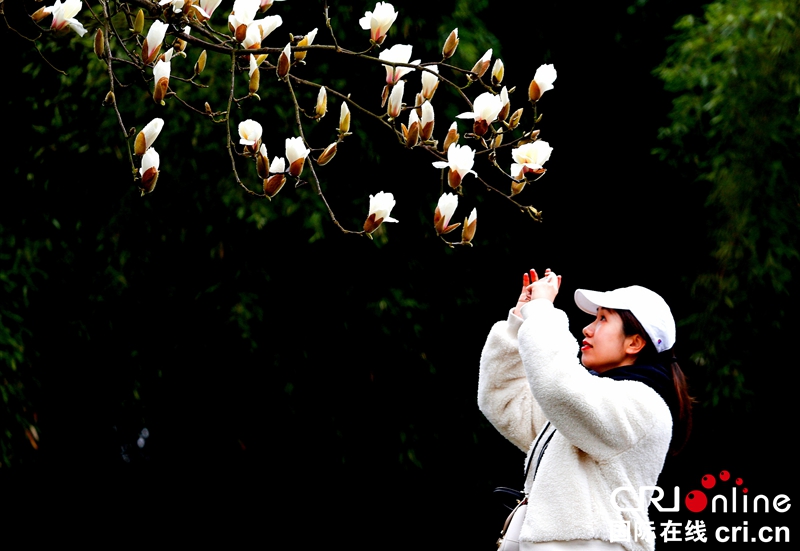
x,y
504,395
600,416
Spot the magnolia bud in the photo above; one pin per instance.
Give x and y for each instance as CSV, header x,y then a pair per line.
x,y
208,109
109,99
452,137
322,102
201,63
99,44
273,185
326,156
513,122
160,91
149,179
470,225
40,14
255,78
517,187
262,163
284,62
240,33
497,72
481,66
138,23
534,92
450,44
344,119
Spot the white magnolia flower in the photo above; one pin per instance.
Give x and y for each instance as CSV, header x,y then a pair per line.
x,y
177,5
396,99
206,7
444,212
429,81
278,165
530,157
152,43
460,159
249,133
244,12
148,135
485,108
378,21
380,207
296,153
149,160
296,149
64,14
542,81
266,25
399,53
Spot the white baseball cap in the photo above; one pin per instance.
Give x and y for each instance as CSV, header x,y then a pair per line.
x,y
649,308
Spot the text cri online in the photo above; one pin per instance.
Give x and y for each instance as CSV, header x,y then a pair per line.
x,y
719,504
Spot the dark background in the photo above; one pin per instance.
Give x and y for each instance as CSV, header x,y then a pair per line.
x,y
300,383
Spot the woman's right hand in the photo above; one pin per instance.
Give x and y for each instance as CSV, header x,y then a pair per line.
x,y
533,288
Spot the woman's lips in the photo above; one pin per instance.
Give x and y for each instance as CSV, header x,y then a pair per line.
x,y
585,346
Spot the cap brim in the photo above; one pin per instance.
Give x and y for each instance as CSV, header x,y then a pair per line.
x,y
588,301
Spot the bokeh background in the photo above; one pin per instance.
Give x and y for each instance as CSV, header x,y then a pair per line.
x,y
198,349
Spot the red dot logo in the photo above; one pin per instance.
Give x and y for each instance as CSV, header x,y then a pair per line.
x,y
744,491
724,476
696,501
739,481
708,481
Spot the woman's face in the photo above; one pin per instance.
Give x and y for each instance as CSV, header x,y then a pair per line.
x,y
605,345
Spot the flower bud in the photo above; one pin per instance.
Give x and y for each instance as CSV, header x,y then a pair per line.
x,y
240,33
513,122
534,93
306,41
481,66
411,134
470,225
40,14
207,107
450,44
426,124
444,211
160,91
322,103
498,140
262,163
255,78
452,137
99,44
109,99
344,119
517,187
284,62
201,63
273,185
328,154
396,100
497,72
138,23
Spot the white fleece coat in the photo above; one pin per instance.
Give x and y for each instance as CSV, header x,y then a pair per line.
x,y
609,434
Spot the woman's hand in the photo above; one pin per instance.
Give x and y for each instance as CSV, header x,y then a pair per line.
x,y
533,288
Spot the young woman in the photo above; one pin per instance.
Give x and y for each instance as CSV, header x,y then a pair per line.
x,y
588,430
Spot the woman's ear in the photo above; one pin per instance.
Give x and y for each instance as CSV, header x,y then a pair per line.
x,y
634,344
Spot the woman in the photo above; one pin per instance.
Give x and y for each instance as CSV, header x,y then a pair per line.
x,y
587,430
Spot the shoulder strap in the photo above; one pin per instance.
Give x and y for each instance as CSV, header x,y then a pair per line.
x,y
541,452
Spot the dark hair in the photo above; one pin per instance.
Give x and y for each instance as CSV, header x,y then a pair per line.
x,y
682,425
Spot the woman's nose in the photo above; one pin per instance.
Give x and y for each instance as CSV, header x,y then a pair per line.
x,y
587,330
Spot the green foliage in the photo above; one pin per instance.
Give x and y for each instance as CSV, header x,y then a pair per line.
x,y
735,127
